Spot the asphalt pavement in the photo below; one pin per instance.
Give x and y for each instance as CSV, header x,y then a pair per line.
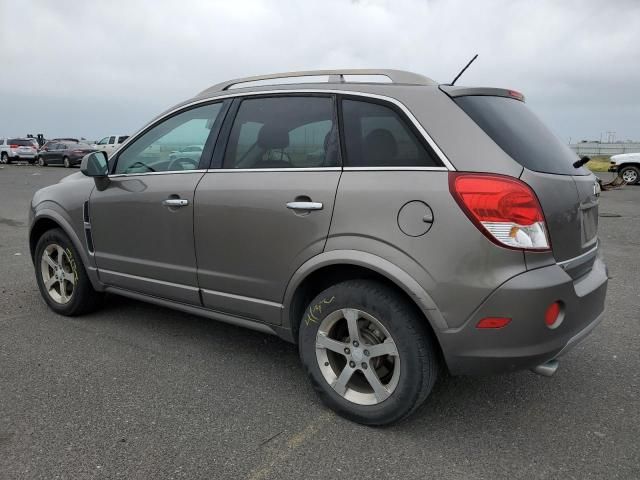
x,y
135,391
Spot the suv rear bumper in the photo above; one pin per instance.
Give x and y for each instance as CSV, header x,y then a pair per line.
x,y
527,341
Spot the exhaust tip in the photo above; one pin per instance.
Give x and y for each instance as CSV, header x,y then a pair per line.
x,y
547,369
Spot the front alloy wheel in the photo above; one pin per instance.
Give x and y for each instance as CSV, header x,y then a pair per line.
x,y
61,277
58,274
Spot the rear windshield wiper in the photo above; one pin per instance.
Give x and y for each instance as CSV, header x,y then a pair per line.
x,y
581,162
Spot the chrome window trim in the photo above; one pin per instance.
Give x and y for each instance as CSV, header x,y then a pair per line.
x,y
443,158
400,169
169,172
296,169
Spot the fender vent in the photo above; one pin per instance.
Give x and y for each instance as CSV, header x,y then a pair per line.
x,y
85,212
87,234
87,226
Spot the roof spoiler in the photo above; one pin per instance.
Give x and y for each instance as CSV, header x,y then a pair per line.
x,y
454,92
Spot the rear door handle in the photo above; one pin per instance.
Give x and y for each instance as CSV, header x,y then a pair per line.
x,y
175,202
304,205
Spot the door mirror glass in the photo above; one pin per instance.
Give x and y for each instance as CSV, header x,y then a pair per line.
x,y
95,164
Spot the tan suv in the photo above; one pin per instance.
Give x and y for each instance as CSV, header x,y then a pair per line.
x,y
391,230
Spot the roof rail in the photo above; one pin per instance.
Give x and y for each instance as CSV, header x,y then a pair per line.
x,y
335,76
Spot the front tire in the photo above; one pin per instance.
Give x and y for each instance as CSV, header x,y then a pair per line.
x,y
42,162
368,352
630,174
61,276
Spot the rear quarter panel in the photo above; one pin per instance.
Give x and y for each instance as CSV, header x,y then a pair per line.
x,y
453,262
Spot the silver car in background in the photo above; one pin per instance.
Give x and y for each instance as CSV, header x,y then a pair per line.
x,y
18,149
392,230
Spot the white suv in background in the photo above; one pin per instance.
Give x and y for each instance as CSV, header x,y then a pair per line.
x,y
110,143
15,149
628,167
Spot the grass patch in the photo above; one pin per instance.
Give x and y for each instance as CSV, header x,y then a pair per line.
x,y
599,164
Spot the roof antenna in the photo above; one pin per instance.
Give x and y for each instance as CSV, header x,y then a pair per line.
x,y
463,70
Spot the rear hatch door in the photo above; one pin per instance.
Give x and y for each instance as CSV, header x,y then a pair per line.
x,y
568,195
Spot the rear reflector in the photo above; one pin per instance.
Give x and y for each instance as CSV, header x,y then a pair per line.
x,y
493,322
504,208
552,314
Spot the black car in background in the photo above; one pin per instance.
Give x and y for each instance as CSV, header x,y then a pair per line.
x,y
67,153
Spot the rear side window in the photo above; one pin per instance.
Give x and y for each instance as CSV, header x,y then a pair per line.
x,y
520,134
283,132
376,136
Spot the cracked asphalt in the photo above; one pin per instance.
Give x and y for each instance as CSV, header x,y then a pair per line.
x,y
136,391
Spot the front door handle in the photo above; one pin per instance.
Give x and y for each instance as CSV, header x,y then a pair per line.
x,y
304,206
175,202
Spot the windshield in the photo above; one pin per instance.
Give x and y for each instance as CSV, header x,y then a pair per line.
x,y
520,134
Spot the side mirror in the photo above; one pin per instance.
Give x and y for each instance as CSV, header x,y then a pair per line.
x,y
95,165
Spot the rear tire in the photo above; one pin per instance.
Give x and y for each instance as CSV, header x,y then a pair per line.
x,y
385,375
630,174
5,158
61,276
66,162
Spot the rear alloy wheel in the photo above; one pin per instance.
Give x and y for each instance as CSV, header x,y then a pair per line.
x,y
368,352
630,174
41,162
66,162
61,276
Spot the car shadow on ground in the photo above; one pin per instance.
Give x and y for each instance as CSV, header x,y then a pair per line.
x,y
455,402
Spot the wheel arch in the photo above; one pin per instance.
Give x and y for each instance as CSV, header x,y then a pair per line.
x,y
331,267
48,219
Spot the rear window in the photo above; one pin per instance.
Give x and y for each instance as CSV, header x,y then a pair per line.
x,y
521,134
20,142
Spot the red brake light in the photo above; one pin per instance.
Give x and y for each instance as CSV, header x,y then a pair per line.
x,y
516,95
14,146
504,208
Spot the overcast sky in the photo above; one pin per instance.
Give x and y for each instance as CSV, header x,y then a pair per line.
x,y
93,68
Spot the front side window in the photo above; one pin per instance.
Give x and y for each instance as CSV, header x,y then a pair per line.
x,y
104,141
376,136
161,149
283,132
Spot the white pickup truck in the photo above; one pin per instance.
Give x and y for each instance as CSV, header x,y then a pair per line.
x,y
627,165
110,143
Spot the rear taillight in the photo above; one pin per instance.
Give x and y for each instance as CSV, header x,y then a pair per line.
x,y
504,208
78,151
14,146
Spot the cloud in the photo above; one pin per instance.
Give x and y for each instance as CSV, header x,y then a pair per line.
x,y
94,68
